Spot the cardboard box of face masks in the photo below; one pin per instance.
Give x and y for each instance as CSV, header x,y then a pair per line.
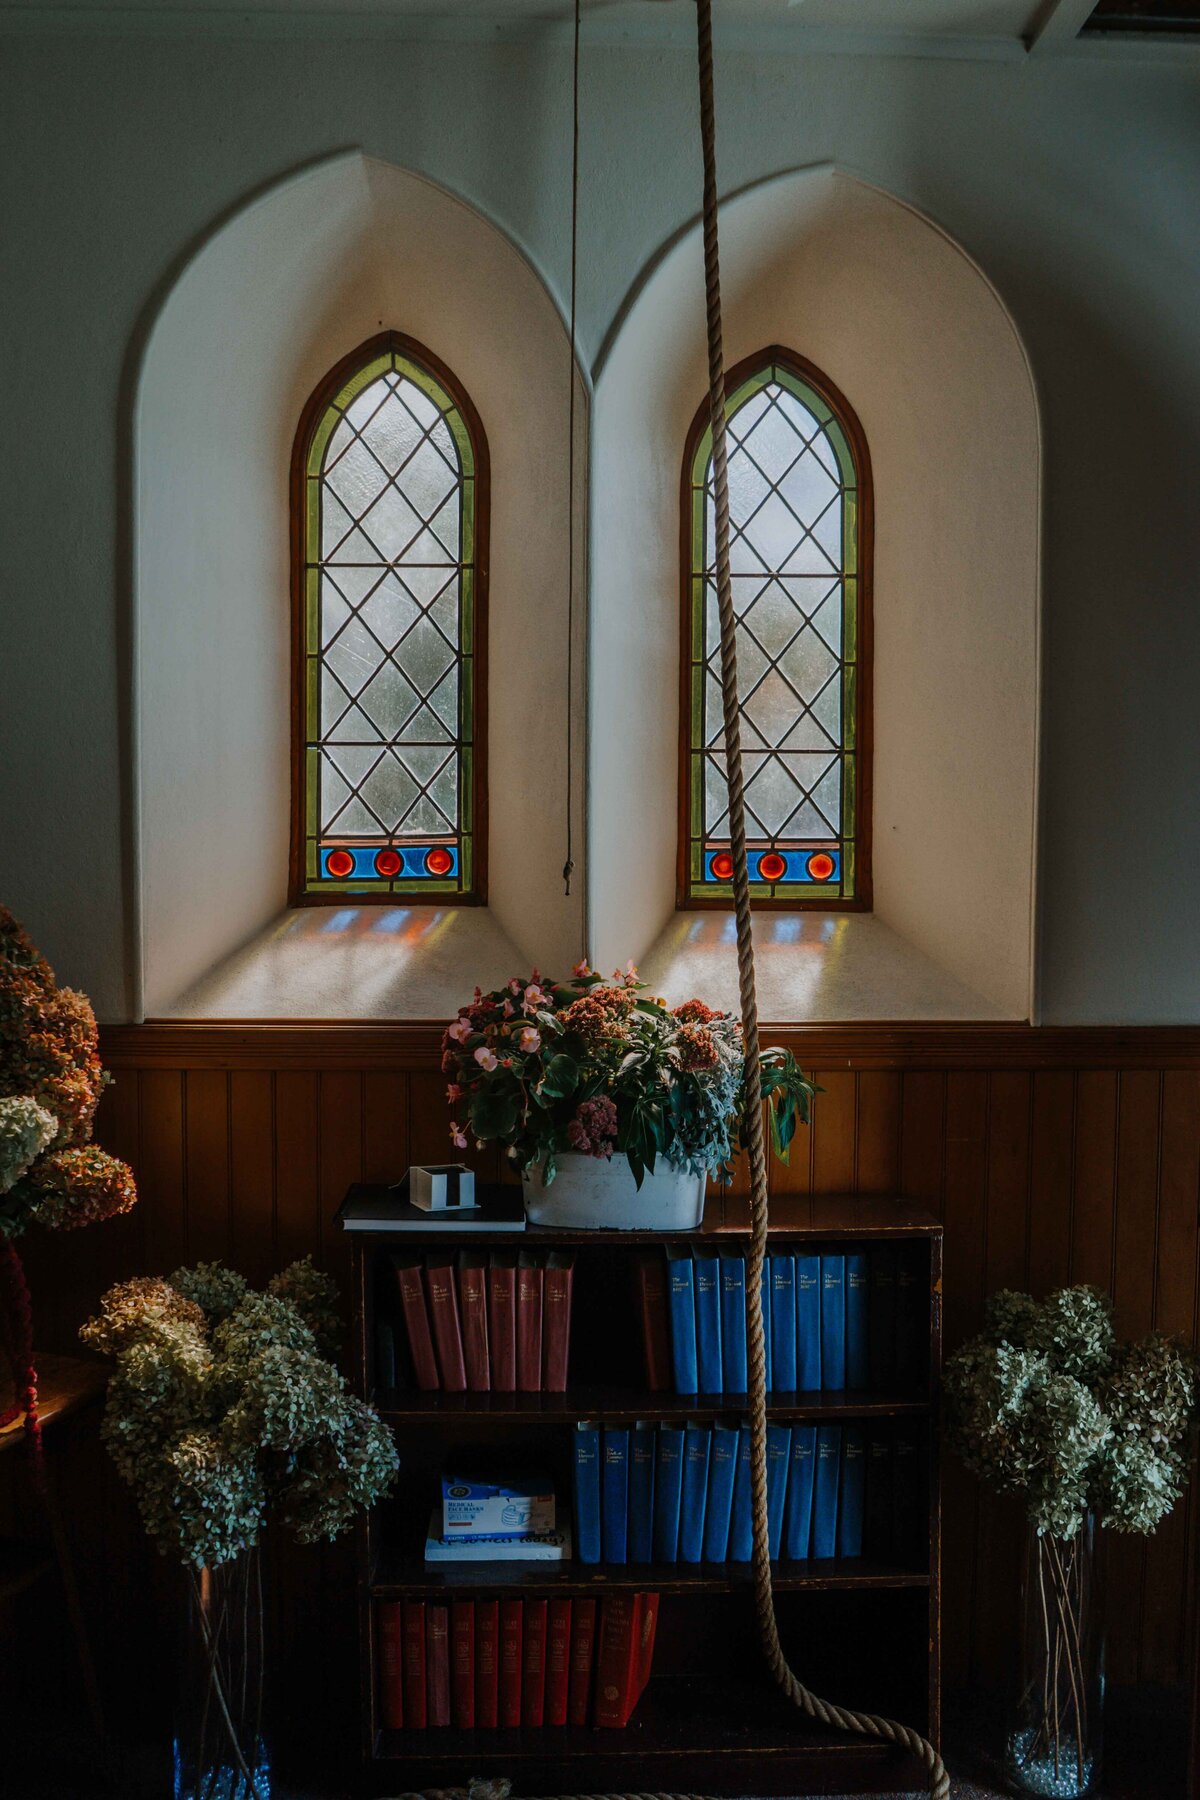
x,y
519,1508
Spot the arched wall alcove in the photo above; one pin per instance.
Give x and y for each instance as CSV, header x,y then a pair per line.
x,y
910,330
272,301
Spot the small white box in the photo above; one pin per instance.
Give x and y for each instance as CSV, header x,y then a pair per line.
x,y
442,1187
521,1508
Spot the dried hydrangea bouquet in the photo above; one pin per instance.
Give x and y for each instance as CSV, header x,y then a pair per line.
x,y
1046,1404
225,1409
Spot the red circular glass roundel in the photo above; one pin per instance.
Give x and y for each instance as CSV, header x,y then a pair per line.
x,y
820,866
339,863
771,867
439,861
722,866
388,863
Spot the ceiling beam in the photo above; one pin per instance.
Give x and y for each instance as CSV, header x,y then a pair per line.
x,y
1056,24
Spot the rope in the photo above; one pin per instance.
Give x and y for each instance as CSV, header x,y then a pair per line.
x,y
569,864
842,1718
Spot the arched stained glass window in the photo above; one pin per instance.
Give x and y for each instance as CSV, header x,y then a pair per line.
x,y
390,506
800,503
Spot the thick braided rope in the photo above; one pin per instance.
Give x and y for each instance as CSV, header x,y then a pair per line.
x,y
865,1724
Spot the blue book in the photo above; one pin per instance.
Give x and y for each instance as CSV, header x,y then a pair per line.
x,y
733,1323
587,1491
722,1467
797,1514
696,1443
681,1305
708,1320
851,1492
783,1322
882,1317
858,1351
825,1491
614,1492
833,1322
765,1289
668,1491
641,1492
741,1527
779,1449
808,1323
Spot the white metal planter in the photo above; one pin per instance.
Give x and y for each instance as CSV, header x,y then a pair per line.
x,y
591,1193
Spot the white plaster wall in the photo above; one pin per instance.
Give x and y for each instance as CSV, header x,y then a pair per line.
x,y
916,338
278,294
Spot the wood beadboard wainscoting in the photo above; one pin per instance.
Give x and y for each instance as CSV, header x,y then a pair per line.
x,y
1051,1155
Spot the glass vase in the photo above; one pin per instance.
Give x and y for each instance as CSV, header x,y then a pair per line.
x,y
1053,1746
219,1748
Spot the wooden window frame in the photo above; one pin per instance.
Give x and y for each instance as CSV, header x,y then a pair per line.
x,y
314,410
847,418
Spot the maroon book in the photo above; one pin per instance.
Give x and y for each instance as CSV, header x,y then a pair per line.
x,y
533,1664
556,1319
416,1320
651,1275
529,1323
462,1663
437,1664
558,1660
391,1677
510,1662
443,1314
487,1662
502,1321
472,1311
583,1641
414,1665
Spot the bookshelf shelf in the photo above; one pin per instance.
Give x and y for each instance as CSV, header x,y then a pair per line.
x,y
863,1630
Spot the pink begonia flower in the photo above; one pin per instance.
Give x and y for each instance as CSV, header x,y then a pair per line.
x,y
486,1058
514,985
458,1136
529,1039
508,1009
460,1031
534,996
582,967
453,1093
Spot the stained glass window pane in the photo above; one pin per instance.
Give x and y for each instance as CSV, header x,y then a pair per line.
x,y
389,538
793,489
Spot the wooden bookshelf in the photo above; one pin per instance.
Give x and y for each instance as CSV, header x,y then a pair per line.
x,y
861,1631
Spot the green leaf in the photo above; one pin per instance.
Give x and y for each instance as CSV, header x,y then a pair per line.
x,y
493,1114
561,1077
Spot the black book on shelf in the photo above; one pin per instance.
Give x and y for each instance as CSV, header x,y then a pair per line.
x,y
389,1209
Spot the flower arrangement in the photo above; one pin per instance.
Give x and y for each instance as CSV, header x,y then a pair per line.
x,y
595,1067
224,1406
1046,1404
50,1172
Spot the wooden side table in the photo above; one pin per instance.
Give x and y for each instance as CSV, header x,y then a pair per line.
x,y
67,1385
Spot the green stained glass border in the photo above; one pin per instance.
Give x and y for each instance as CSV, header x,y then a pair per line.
x,y
393,360
845,890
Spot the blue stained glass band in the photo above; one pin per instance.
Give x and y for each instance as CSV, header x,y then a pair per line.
x,y
412,863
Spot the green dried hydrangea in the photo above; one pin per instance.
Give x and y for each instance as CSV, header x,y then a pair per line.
x,y
1045,1404
222,1408
26,1129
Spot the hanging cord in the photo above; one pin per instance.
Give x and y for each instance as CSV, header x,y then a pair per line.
x,y
864,1724
569,864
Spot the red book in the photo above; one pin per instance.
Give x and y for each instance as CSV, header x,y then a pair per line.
x,y
648,1628
583,1642
462,1662
502,1321
558,1661
414,1665
618,1658
437,1664
391,1679
416,1320
651,1275
443,1316
510,1662
472,1307
556,1319
487,1662
533,1664
529,1324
